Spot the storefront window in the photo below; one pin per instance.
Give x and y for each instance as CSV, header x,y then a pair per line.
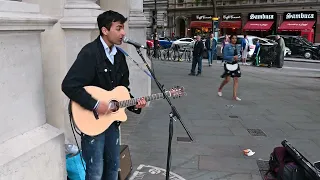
x,y
203,32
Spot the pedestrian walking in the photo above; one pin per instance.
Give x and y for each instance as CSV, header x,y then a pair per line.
x,y
244,49
224,43
211,45
231,55
256,54
197,57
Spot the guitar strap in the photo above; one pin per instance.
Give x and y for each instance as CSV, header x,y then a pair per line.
x,y
135,62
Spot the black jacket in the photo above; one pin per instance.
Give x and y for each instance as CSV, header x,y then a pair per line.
x,y
93,68
198,48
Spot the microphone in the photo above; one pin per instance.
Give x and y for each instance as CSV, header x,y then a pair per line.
x,y
129,41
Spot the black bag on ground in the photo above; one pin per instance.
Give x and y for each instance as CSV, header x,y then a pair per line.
x,y
283,167
292,171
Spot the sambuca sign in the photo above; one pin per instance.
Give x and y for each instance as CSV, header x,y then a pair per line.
x,y
263,16
300,15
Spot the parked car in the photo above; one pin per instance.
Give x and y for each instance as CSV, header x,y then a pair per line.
x,y
184,42
164,42
300,46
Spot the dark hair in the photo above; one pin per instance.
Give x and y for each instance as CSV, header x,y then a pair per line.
x,y
105,19
232,36
245,35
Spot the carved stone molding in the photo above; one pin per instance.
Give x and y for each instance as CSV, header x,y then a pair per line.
x,y
80,14
137,19
23,16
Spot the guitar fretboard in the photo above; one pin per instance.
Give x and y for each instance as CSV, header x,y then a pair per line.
x,y
132,102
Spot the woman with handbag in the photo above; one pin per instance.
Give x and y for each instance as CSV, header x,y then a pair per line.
x,y
231,55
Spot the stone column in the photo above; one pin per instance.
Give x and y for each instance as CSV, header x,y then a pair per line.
x,y
137,23
81,4
27,143
61,45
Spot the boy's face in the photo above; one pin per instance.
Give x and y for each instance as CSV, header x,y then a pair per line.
x,y
115,34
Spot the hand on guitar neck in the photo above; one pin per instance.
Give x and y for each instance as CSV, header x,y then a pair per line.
x,y
105,108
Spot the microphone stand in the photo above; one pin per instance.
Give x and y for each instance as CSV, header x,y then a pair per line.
x,y
174,113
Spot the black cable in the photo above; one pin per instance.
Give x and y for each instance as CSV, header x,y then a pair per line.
x,y
73,130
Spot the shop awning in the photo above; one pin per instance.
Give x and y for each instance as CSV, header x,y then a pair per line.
x,y
258,25
296,25
199,24
230,24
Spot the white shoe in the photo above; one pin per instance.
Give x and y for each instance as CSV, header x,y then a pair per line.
x,y
220,93
237,99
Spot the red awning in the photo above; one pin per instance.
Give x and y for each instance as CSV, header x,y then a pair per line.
x,y
258,25
230,24
296,25
199,24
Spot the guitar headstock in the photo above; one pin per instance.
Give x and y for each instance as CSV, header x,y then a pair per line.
x,y
177,92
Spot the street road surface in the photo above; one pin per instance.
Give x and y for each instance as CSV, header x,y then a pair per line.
x,y
282,103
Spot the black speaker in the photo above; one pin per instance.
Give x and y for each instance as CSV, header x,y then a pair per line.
x,y
125,162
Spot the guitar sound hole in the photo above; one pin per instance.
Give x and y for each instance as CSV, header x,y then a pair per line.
x,y
114,105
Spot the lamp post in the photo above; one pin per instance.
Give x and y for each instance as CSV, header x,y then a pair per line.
x,y
215,19
155,34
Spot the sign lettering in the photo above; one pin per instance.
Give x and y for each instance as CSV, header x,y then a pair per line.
x,y
262,25
261,16
300,15
231,17
201,17
297,24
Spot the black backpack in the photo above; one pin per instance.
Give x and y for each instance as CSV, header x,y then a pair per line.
x,y
283,167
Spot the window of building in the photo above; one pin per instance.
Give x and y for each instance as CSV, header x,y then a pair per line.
x,y
180,2
204,2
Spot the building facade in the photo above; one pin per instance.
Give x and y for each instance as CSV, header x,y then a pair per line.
x,y
254,17
161,16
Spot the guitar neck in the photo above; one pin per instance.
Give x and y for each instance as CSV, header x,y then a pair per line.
x,y
132,102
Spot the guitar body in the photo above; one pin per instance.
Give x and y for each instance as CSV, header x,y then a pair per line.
x,y
85,120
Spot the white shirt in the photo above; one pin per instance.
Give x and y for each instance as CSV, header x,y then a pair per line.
x,y
109,53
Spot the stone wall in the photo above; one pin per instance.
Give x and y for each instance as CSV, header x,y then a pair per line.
x,y
27,142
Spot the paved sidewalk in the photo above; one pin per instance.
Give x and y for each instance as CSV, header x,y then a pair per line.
x,y
283,103
301,60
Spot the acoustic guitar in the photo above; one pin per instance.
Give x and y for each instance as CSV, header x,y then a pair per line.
x,y
118,99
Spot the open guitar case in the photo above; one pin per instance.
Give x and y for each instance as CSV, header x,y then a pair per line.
x,y
311,172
